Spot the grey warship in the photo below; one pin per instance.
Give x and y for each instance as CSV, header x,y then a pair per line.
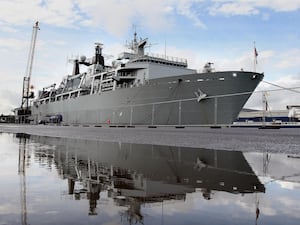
x,y
143,89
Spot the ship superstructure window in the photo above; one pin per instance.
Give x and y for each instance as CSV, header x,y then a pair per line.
x,y
73,84
127,73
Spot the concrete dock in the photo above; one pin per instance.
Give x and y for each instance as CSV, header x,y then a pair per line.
x,y
241,139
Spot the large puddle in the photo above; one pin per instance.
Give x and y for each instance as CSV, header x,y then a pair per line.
x,y
70,181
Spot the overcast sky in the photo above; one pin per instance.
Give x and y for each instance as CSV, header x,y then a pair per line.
x,y
219,31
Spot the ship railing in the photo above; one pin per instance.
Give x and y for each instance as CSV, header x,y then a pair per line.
x,y
63,96
104,85
167,58
163,59
107,88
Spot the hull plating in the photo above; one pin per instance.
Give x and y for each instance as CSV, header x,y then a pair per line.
x,y
164,101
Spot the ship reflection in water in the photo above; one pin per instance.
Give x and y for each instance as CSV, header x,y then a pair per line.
x,y
68,181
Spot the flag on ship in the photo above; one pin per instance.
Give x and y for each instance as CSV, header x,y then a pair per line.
x,y
255,54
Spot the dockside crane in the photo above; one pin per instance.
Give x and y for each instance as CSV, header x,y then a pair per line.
x,y
27,92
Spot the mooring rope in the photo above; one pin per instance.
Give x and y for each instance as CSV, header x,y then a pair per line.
x,y
285,88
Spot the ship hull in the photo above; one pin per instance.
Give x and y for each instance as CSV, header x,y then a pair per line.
x,y
164,101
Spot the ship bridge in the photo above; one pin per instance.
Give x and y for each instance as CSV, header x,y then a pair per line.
x,y
154,58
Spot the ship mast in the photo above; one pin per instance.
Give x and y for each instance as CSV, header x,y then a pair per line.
x,y
264,108
27,94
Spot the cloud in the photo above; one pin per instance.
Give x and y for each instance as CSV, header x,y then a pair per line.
x,y
13,43
290,58
7,29
189,10
278,5
289,205
54,12
280,68
114,16
117,17
289,185
277,100
233,8
251,7
10,99
244,60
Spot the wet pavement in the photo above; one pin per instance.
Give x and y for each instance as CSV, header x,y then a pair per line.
x,y
89,175
243,139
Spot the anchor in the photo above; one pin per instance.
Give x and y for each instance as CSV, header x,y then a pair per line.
x,y
200,95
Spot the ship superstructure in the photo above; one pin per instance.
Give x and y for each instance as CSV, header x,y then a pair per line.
x,y
144,89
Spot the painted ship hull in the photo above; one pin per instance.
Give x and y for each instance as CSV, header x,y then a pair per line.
x,y
163,101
